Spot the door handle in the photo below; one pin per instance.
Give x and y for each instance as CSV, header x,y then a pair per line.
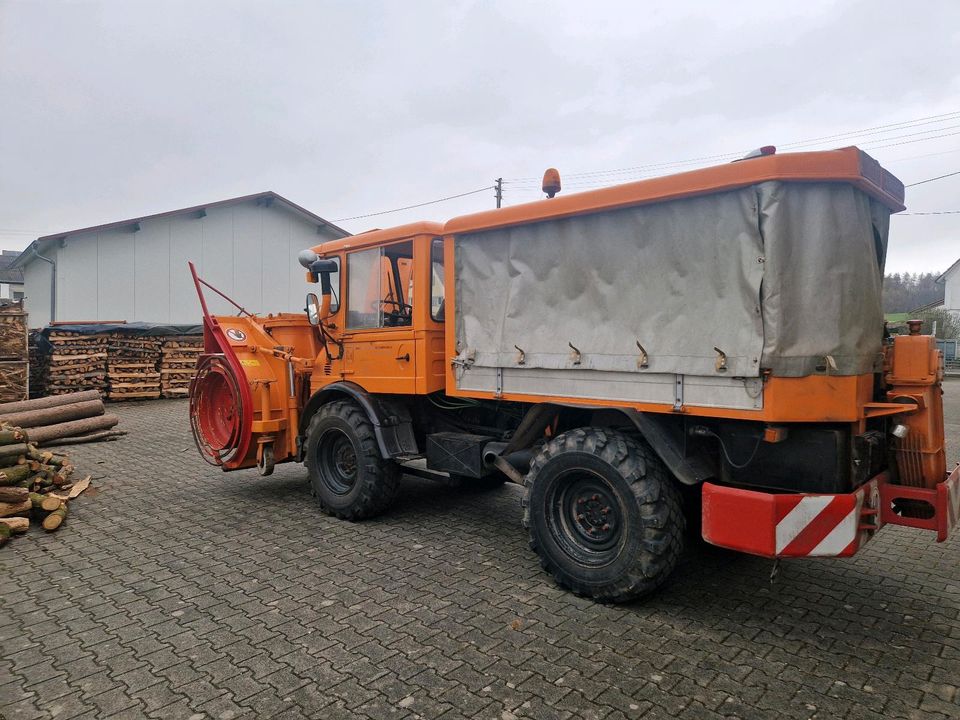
x,y
405,357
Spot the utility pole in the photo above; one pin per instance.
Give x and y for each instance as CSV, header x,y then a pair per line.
x,y
499,189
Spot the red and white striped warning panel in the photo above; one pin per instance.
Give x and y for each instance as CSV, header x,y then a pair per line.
x,y
789,525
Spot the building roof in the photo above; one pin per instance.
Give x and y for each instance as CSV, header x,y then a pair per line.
x,y
268,197
10,274
949,270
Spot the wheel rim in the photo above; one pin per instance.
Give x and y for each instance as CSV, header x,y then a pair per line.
x,y
337,461
585,517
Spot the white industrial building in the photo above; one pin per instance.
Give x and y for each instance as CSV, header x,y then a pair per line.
x,y
951,288
136,270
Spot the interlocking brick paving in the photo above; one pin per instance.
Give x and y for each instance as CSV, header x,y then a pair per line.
x,y
177,591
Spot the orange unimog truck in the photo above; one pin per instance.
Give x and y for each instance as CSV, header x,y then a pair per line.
x,y
703,349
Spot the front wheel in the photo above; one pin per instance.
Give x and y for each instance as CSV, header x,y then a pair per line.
x,y
603,514
347,473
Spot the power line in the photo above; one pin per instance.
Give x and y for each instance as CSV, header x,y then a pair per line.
x,y
939,177
879,129
411,207
933,212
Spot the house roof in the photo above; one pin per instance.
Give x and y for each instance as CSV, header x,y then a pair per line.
x,y
10,274
266,197
949,270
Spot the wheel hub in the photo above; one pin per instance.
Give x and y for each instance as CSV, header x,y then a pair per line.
x,y
594,512
337,461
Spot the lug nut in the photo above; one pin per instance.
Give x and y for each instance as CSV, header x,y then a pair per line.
x,y
606,526
580,518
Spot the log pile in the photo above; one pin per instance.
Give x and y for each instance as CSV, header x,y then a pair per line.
x,y
39,366
132,367
61,419
178,361
77,362
14,369
33,484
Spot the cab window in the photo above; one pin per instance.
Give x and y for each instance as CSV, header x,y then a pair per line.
x,y
380,287
437,295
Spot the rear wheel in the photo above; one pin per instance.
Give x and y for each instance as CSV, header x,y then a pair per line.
x,y
347,473
603,515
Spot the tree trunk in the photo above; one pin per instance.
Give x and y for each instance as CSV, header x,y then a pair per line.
x,y
16,524
13,494
15,474
14,450
68,429
8,509
92,437
47,402
16,435
50,416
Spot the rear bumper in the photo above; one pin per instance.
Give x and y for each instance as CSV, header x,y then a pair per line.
x,y
816,525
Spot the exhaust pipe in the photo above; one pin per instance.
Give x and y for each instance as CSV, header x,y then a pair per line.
x,y
514,466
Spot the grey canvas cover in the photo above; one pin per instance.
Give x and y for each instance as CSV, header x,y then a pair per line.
x,y
785,276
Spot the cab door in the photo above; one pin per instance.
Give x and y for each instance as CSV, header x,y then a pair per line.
x,y
379,352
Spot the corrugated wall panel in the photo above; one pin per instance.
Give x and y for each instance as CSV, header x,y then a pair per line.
x,y
275,260
186,244
247,253
115,276
152,272
218,258
77,272
36,286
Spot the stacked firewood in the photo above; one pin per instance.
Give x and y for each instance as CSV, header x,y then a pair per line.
x,y
132,367
178,361
39,366
33,483
62,419
77,362
14,370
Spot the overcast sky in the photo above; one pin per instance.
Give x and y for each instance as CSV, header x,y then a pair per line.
x,y
110,110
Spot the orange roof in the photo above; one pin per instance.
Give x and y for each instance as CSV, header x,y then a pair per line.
x,y
849,165
378,237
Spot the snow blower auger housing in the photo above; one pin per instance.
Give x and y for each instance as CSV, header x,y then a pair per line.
x,y
703,349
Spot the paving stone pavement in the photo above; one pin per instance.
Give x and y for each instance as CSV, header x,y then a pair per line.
x,y
177,591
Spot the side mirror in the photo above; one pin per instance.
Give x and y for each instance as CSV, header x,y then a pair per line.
x,y
313,309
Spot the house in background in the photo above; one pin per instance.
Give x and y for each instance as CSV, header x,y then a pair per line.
x,y
951,288
11,278
136,270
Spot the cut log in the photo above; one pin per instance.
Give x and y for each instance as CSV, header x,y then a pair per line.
x,y
15,474
49,504
13,494
69,429
47,402
5,533
55,519
53,415
14,449
36,500
92,437
16,524
16,435
8,509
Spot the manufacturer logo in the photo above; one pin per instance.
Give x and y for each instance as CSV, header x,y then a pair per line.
x,y
236,335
